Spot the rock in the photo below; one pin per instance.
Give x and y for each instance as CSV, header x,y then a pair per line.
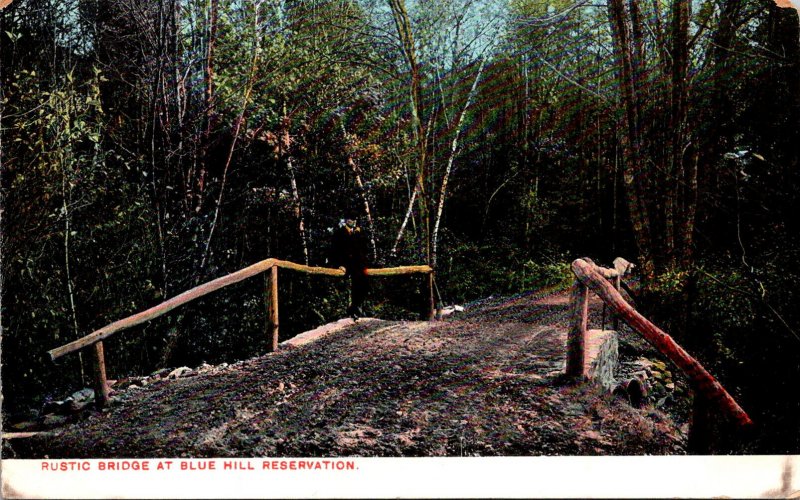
x,y
179,372
160,373
660,365
448,311
55,407
85,394
80,400
77,406
592,435
634,390
128,382
50,421
637,392
602,357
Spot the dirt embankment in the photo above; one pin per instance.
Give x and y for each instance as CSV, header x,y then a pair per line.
x,y
484,383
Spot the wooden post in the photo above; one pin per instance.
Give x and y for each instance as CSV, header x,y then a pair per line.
x,y
576,338
430,307
273,308
100,383
618,286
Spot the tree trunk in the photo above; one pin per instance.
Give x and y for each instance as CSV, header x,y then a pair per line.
x,y
298,209
363,192
213,13
450,159
236,131
407,217
680,222
66,193
405,34
633,164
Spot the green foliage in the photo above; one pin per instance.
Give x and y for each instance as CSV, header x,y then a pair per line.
x,y
115,179
536,275
725,301
469,271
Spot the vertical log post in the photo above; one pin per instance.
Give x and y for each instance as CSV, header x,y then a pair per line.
x,y
100,383
273,308
576,337
618,286
429,313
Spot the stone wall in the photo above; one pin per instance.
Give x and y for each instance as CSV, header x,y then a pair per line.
x,y
602,355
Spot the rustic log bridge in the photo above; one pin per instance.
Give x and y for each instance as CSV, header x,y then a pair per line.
x,y
95,338
595,278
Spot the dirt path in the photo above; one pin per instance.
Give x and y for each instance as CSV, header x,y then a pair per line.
x,y
486,383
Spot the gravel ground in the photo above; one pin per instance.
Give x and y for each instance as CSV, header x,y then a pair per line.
x,y
485,383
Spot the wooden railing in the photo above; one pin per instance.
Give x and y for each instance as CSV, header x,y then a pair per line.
x,y
95,339
708,392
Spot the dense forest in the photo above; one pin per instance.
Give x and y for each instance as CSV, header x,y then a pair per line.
x,y
148,147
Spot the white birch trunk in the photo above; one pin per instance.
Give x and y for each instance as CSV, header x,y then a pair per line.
x,y
298,209
450,160
365,200
237,130
406,219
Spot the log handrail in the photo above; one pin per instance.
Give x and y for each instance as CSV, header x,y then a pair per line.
x,y
595,278
211,286
96,337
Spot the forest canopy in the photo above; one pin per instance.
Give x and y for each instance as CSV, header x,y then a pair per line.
x,y
148,147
